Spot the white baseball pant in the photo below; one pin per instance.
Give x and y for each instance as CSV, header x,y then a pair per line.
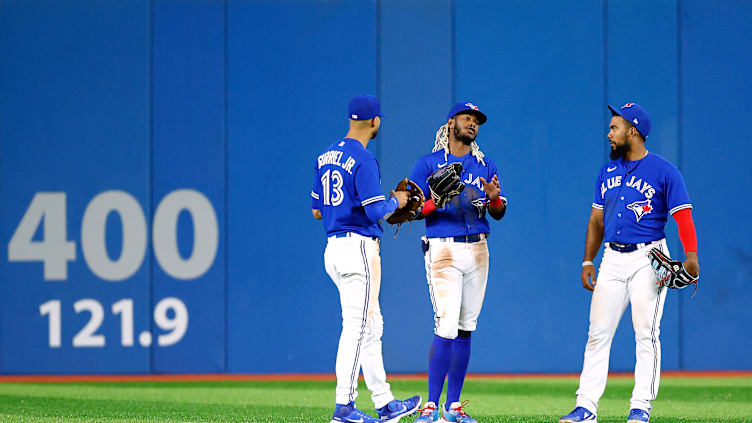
x,y
624,278
354,264
457,273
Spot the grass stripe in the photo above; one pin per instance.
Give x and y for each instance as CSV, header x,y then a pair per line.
x,y
492,400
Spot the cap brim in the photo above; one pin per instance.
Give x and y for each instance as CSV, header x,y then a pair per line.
x,y
615,112
481,117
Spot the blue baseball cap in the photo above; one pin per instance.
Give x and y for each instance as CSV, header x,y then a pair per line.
x,y
466,106
636,115
364,107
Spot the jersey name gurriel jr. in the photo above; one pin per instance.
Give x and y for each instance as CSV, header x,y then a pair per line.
x,y
347,179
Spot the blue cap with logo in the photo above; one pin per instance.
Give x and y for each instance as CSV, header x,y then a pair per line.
x,y
364,107
467,107
636,115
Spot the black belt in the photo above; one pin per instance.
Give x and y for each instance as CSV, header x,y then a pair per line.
x,y
465,238
627,248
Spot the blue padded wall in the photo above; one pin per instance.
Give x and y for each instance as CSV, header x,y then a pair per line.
x,y
191,127
292,67
714,151
189,154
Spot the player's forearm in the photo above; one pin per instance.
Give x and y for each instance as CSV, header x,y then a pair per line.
x,y
497,208
593,239
381,209
687,233
428,208
692,264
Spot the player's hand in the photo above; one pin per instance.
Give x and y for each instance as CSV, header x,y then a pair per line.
x,y
588,275
692,265
401,197
491,188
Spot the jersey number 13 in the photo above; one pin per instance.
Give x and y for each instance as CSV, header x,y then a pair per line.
x,y
333,194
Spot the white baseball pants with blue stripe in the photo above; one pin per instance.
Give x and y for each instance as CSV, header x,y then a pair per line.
x,y
624,278
354,264
457,274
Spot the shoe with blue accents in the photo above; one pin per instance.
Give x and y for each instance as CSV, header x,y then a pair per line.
x,y
348,413
395,410
456,413
579,414
638,416
428,414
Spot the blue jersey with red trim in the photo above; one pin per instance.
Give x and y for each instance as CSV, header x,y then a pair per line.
x,y
466,213
347,179
637,196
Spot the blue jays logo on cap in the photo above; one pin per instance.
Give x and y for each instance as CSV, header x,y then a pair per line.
x,y
635,114
466,106
364,107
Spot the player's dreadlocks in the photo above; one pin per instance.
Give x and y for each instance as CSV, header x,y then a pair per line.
x,y
442,142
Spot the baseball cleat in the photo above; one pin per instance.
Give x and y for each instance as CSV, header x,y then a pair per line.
x,y
638,416
456,413
428,414
579,414
349,414
395,410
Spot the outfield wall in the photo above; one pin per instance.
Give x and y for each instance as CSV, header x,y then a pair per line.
x,y
155,171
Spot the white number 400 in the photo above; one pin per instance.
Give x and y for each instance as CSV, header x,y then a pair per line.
x,y
55,251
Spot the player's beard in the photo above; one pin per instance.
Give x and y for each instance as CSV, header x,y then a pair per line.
x,y
464,139
619,151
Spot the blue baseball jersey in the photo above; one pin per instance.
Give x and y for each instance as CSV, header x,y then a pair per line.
x,y
637,196
347,179
466,213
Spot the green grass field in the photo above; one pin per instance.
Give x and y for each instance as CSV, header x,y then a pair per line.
x,y
491,400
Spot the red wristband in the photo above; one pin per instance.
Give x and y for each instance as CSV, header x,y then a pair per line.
x,y
428,207
495,203
687,233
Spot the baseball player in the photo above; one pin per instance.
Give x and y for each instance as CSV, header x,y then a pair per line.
x,y
456,254
634,194
347,196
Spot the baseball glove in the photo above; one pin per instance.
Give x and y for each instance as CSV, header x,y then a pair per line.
x,y
445,184
671,273
411,210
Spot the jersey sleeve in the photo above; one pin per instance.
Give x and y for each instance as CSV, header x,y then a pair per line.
x,y
419,175
381,209
316,190
493,170
368,183
677,197
598,197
